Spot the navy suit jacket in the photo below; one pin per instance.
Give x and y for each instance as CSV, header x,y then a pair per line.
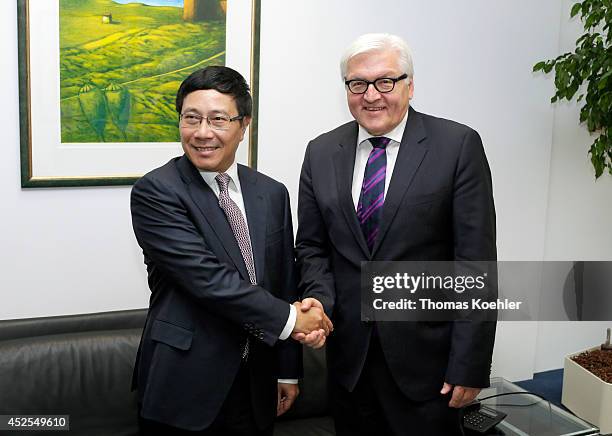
x,y
438,207
202,304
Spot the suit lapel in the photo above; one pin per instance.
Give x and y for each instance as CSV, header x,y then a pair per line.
x,y
344,162
256,212
411,153
207,202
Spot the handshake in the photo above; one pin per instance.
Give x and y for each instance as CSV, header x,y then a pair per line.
x,y
312,325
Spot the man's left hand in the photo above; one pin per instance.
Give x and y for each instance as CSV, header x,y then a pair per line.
x,y
462,395
287,393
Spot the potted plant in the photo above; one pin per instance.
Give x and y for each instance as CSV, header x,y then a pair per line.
x,y
591,65
587,385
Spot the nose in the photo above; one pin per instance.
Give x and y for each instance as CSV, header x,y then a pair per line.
x,y
204,131
371,93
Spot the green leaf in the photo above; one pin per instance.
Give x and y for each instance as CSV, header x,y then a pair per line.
x,y
571,90
596,160
582,38
590,124
603,81
591,21
539,66
575,9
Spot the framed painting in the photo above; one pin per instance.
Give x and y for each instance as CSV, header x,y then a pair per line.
x,y
98,80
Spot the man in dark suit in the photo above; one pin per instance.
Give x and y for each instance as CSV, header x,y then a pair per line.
x,y
218,244
393,185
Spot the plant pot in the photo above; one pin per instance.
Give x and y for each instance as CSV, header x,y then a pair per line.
x,y
586,395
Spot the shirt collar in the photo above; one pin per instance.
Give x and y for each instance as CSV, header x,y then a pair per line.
x,y
395,134
232,171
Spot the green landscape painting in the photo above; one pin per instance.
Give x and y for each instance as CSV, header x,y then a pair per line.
x,y
121,63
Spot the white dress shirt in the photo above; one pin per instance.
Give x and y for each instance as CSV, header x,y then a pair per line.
x,y
363,152
235,193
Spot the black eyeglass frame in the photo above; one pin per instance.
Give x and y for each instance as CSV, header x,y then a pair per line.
x,y
368,83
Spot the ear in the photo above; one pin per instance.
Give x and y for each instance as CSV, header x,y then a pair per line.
x,y
244,123
411,89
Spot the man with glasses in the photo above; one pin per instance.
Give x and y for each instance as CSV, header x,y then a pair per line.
x,y
393,185
218,244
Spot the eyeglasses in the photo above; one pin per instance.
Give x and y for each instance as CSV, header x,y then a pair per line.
x,y
217,122
382,84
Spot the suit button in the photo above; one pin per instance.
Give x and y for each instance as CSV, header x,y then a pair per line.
x,y
260,335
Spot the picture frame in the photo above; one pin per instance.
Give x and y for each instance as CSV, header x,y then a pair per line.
x,y
50,159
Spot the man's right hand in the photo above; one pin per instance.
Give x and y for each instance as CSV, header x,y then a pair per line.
x,y
309,320
314,338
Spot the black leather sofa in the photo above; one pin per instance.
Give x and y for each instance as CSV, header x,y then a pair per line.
x,y
81,365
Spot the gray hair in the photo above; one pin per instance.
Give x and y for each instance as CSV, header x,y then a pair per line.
x,y
378,42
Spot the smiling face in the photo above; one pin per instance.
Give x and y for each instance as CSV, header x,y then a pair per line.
x,y
377,112
206,148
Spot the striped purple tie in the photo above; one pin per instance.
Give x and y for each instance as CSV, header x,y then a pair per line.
x,y
372,197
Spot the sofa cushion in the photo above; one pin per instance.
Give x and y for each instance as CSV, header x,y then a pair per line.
x,y
54,325
85,375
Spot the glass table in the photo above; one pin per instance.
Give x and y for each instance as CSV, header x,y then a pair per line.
x,y
529,415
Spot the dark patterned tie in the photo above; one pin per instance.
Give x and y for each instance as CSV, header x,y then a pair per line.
x,y
241,233
372,197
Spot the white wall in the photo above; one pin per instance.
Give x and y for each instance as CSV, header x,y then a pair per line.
x,y
63,251
579,214
72,250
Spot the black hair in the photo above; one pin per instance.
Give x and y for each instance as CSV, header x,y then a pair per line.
x,y
222,79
